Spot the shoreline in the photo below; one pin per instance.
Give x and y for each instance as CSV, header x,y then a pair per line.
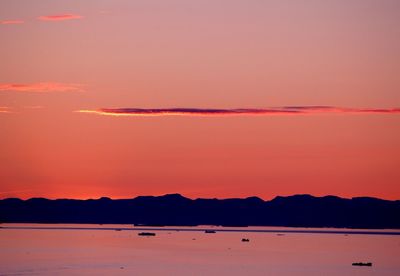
x,y
203,229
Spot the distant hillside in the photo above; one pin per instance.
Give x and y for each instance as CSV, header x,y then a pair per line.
x,y
174,209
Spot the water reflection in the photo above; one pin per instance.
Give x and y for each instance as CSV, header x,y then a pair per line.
x,y
92,252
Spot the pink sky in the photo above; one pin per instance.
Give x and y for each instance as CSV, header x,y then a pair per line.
x,y
225,55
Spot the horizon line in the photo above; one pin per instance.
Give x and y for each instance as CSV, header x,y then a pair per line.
x,y
211,198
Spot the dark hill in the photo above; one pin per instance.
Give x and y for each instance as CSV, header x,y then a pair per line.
x,y
174,209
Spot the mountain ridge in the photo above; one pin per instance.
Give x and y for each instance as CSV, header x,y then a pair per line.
x,y
176,210
214,198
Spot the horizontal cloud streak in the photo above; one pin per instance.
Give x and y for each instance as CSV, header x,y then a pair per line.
x,y
286,110
41,87
4,109
59,17
11,22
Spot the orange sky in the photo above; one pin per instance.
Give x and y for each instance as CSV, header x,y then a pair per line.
x,y
59,57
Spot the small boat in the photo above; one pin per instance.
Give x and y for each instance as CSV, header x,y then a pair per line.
x,y
146,234
362,264
209,232
245,240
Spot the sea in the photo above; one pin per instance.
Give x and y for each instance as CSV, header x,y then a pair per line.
x,y
93,249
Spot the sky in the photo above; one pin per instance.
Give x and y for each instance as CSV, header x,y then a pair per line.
x,y
220,98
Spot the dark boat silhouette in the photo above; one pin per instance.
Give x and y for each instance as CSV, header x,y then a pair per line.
x,y
245,240
146,234
362,264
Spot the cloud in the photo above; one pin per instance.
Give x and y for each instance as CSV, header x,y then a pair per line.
x,y
11,22
286,110
5,109
19,109
33,107
59,17
41,87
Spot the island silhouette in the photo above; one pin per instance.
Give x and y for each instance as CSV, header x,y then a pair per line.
x,y
177,210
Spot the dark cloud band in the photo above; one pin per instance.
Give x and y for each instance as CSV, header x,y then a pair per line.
x,y
286,110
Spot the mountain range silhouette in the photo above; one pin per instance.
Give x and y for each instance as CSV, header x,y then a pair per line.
x,y
176,210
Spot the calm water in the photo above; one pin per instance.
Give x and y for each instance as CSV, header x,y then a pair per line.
x,y
109,252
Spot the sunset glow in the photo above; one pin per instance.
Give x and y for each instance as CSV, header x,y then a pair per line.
x,y
205,98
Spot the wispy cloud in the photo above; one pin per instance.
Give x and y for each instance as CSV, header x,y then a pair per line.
x,y
33,107
41,87
285,110
19,109
60,17
5,109
11,22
